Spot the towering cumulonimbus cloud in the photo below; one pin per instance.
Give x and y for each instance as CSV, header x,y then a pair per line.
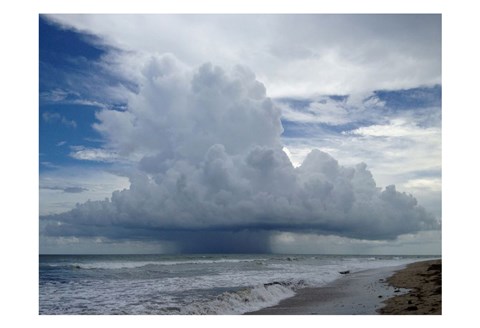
x,y
211,174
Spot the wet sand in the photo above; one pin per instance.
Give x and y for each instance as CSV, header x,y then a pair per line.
x,y
424,279
356,293
370,292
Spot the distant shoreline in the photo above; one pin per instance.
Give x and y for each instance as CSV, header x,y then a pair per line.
x,y
370,292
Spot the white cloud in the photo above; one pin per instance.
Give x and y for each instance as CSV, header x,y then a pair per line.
x,y
176,103
324,111
331,111
433,184
397,128
212,162
56,187
317,54
94,154
404,145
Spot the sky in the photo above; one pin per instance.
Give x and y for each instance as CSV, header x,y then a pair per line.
x,y
240,133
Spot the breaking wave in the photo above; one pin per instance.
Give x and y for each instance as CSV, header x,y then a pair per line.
x,y
243,300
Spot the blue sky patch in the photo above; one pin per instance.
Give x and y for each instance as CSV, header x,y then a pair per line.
x,y
411,98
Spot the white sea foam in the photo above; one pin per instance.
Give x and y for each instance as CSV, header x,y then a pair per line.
x,y
244,300
114,265
210,261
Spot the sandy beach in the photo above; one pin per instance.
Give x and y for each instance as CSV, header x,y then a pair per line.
x,y
424,279
412,289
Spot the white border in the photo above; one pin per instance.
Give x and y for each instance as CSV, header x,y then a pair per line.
x,y
19,135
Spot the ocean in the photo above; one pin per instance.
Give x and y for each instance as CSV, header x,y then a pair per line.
x,y
187,284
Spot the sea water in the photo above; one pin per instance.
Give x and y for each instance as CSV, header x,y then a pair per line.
x,y
187,284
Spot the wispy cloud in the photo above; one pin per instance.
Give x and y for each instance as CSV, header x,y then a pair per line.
x,y
56,95
93,154
50,165
396,128
73,190
432,184
50,117
64,97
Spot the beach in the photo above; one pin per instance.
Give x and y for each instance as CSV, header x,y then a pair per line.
x,y
405,289
424,279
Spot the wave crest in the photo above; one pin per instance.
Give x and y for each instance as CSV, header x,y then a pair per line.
x,y
245,300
